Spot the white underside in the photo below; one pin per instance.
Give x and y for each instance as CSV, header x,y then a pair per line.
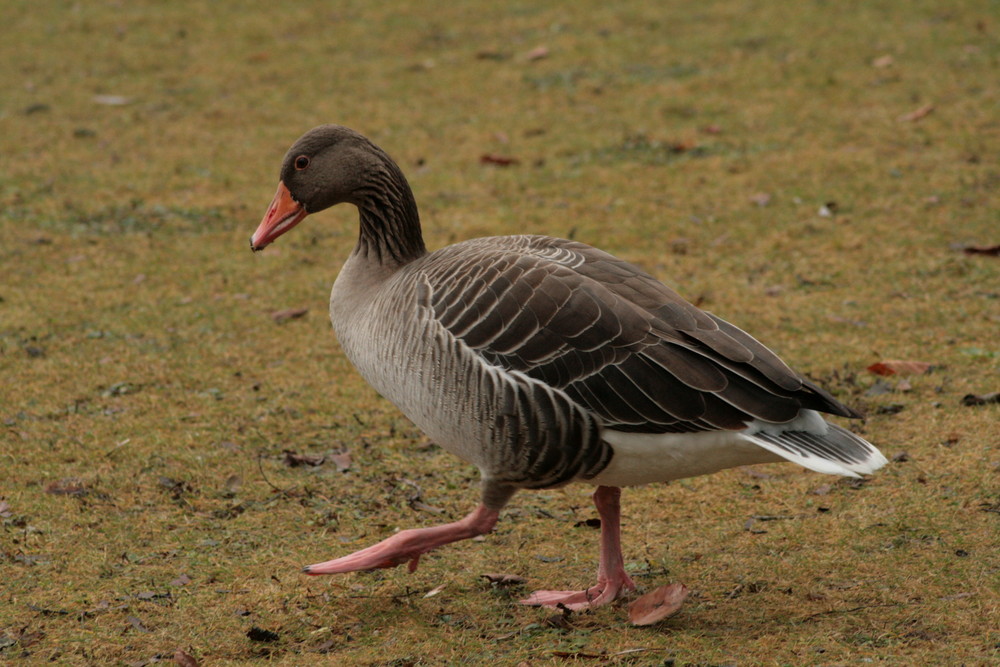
x,y
644,458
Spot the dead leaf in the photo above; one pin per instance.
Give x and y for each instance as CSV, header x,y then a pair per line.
x,y
498,579
137,624
537,53
22,637
559,621
281,316
256,634
989,251
487,54
658,604
341,459
894,366
681,146
981,399
421,506
232,484
184,659
498,160
294,459
4,509
761,199
112,100
182,580
880,387
70,486
434,591
151,595
917,114
882,62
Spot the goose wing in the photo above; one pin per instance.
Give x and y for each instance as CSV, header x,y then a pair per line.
x,y
610,336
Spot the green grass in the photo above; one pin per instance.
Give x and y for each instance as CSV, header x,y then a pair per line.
x,y
147,396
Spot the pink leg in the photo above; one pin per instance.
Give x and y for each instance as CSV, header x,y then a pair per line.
x,y
612,580
409,545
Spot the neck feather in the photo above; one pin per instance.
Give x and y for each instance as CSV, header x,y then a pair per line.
x,y
390,225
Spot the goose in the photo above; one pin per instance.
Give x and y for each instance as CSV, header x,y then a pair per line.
x,y
543,361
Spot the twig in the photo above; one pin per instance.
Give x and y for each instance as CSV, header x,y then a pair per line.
x,y
849,611
260,467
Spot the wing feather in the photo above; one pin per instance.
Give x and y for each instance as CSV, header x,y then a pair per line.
x,y
613,338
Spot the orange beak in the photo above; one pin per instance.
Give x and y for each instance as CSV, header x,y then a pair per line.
x,y
283,214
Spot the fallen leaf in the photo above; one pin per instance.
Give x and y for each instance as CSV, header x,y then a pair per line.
x,y
4,508
256,634
421,506
658,604
537,53
137,624
486,54
880,387
681,146
184,659
341,459
151,595
559,621
760,198
70,486
182,580
498,160
112,100
434,591
177,487
22,637
294,459
281,316
917,114
894,366
981,399
45,611
989,251
232,484
498,579
882,62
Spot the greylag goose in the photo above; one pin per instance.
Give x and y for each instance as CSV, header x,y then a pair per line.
x,y
543,361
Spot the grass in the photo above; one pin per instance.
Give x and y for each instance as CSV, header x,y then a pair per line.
x,y
147,396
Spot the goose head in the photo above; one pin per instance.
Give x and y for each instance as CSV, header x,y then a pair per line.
x,y
326,166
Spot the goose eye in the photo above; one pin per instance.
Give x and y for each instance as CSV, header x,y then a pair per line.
x,y
301,162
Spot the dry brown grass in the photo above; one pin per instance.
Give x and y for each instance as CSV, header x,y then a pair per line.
x,y
147,396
